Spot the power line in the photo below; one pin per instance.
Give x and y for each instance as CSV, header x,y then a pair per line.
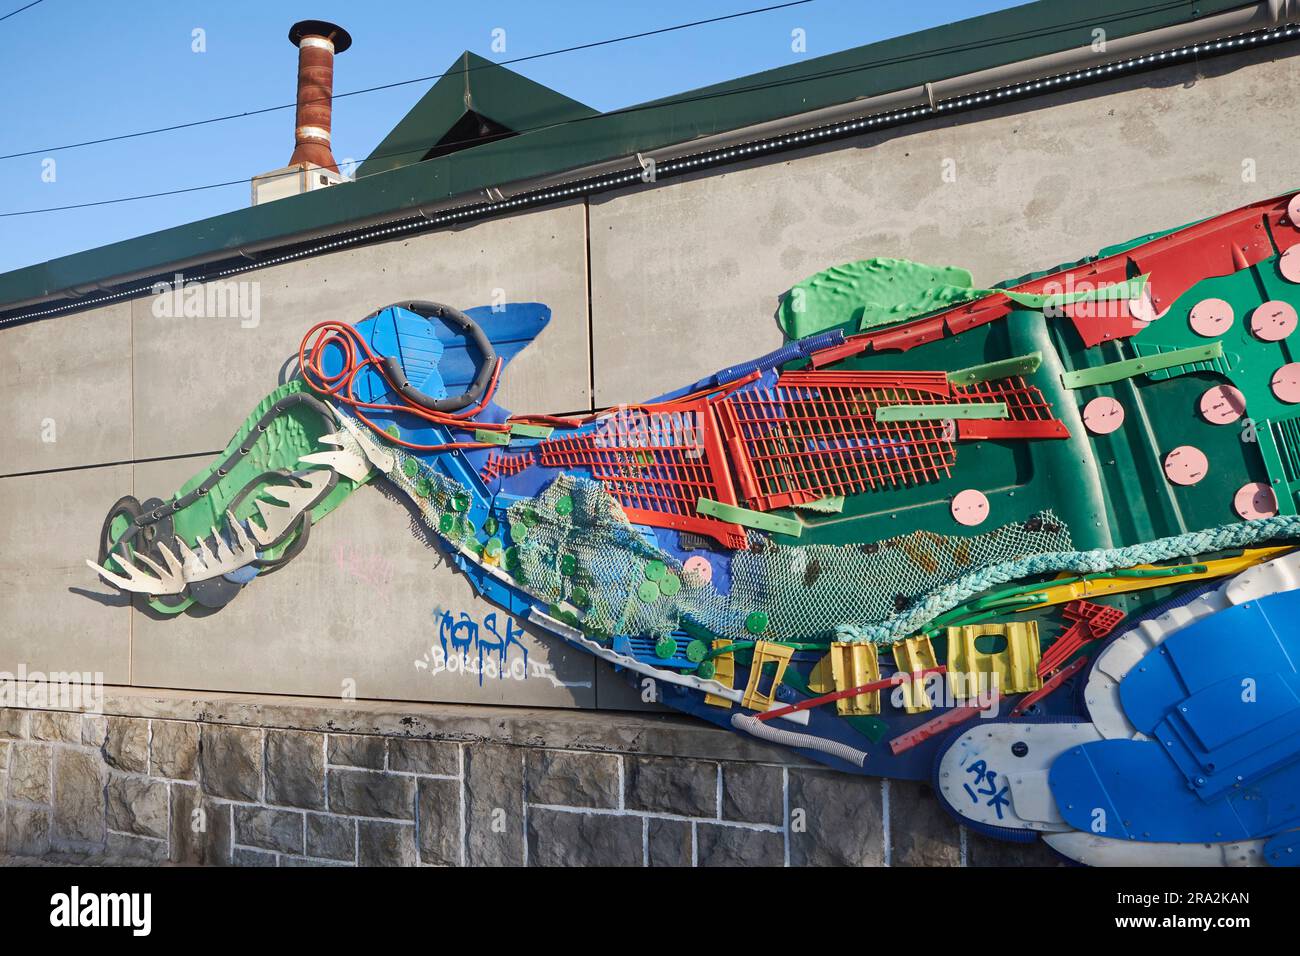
x,y
399,83
14,13
676,101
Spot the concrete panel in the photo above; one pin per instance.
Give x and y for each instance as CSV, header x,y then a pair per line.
x,y
686,275
65,391
353,611
55,613
197,378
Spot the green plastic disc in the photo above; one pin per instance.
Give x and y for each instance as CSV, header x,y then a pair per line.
x,y
512,558
446,523
648,592
654,570
756,623
706,670
518,530
530,517
460,502
670,585
568,564
392,432
580,598
491,525
665,648
696,651
410,468
564,506
422,487
493,547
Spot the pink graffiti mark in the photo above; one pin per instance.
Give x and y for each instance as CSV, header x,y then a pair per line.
x,y
367,565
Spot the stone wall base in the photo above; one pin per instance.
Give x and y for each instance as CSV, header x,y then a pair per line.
x,y
243,780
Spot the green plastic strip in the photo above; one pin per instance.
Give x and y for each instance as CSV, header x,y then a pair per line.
x,y
926,413
750,519
1118,371
530,431
491,438
1005,368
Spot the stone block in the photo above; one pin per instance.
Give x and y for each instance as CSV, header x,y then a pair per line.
x,y
126,744
410,755
200,827
231,762
663,785
295,769
385,844
568,838
572,778
27,831
332,838
246,857
669,843
720,845
353,750
174,749
137,805
56,725
29,772
267,829
370,793
126,850
94,730
440,822
14,723
494,786
835,819
921,831
79,778
752,793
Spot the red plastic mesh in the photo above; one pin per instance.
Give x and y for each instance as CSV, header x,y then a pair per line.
x,y
657,463
500,465
1030,415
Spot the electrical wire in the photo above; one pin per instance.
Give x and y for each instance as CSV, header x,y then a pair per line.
x,y
641,107
14,13
398,83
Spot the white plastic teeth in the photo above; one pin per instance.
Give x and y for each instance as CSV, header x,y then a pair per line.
x,y
200,565
277,518
377,455
349,462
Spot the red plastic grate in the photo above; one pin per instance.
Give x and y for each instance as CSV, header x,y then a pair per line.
x,y
500,465
792,445
1030,415
657,463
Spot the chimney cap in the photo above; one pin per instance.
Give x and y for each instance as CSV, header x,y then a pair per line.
x,y
321,28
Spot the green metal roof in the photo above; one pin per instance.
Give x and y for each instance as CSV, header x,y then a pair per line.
x,y
995,39
473,88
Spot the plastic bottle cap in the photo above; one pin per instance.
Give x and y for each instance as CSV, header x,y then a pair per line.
x,y
699,569
1222,404
1103,415
1289,264
1211,317
970,507
1186,465
1273,321
1255,500
1286,383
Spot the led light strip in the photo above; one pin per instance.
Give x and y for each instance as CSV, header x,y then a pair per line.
x,y
708,158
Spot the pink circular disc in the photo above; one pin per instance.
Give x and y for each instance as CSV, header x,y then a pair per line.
x,y
1293,210
1211,317
1103,415
1255,500
1273,321
970,507
1186,465
1222,404
1286,383
699,569
1143,309
1289,264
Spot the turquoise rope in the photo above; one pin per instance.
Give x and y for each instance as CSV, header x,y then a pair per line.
x,y
1240,535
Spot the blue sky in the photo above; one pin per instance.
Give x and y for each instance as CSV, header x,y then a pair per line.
x,y
77,70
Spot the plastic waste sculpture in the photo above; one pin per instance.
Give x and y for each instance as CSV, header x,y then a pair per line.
x,y
1031,542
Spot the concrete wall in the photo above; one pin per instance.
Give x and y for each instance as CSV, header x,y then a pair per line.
x,y
684,277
